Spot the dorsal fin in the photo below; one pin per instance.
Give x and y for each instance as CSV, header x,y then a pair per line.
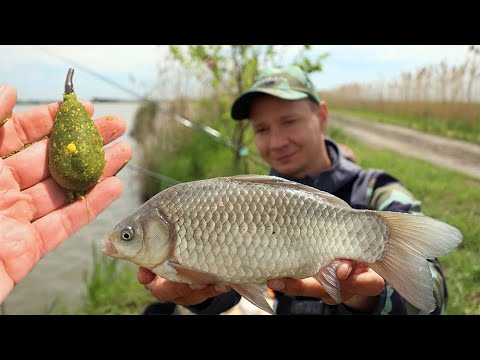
x,y
278,181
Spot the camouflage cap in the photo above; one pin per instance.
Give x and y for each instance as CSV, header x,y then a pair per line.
x,y
289,83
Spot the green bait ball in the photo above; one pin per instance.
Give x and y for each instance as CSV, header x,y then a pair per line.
x,y
76,158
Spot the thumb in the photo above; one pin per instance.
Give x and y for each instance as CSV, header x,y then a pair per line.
x,y
345,269
8,97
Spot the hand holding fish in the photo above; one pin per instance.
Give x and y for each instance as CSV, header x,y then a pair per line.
x,y
181,294
33,216
359,286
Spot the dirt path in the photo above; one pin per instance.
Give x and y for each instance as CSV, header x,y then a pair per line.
x,y
452,154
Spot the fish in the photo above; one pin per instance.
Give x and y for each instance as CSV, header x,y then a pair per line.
x,y
243,230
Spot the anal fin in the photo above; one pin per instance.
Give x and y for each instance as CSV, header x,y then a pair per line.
x,y
254,294
251,292
327,277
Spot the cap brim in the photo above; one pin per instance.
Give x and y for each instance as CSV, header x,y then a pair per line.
x,y
241,106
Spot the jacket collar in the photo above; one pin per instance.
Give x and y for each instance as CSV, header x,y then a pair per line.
x,y
340,173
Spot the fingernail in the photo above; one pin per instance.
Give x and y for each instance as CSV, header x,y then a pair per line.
x,y
350,268
277,285
197,286
221,288
2,88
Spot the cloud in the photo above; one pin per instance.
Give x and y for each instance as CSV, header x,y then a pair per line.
x,y
38,72
111,58
380,63
414,54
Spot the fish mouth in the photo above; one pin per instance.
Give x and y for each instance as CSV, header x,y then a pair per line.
x,y
109,248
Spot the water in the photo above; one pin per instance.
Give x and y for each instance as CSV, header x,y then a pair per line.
x,y
58,277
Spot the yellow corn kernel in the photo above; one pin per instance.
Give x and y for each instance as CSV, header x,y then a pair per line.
x,y
72,148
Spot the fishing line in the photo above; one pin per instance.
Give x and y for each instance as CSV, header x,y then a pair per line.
x,y
154,174
179,118
214,134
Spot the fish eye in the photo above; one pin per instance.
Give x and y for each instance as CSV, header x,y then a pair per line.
x,y
128,233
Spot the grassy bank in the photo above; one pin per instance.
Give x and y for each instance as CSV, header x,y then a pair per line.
x,y
452,128
111,288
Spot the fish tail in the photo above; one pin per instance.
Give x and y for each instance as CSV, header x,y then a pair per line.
x,y
412,240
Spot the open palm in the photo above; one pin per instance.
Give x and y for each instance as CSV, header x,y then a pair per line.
x,y
34,215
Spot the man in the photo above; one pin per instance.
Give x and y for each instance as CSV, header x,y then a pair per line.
x,y
289,123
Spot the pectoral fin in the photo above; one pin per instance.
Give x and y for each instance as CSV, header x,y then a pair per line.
x,y
254,294
194,276
327,276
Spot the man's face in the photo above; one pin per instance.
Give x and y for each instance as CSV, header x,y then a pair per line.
x,y
288,134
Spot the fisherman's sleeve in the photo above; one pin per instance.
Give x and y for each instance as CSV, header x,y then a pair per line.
x,y
386,193
396,304
216,305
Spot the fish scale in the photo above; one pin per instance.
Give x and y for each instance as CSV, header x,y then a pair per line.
x,y
295,222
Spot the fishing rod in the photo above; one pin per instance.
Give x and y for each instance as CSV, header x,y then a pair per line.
x,y
214,134
218,136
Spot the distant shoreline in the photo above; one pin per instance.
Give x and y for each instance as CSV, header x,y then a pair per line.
x,y
93,100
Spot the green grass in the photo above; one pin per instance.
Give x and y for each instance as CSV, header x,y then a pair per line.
x,y
448,196
197,157
111,289
452,128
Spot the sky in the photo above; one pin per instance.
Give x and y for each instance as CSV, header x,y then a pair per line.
x,y
38,72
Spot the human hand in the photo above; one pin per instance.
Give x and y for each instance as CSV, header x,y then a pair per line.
x,y
34,217
182,294
359,286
